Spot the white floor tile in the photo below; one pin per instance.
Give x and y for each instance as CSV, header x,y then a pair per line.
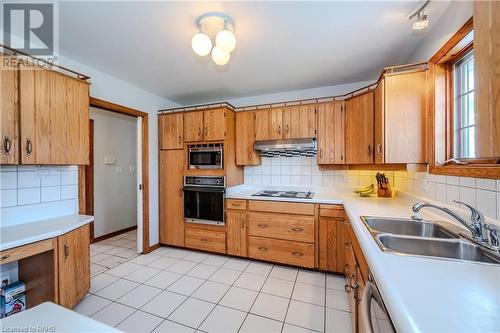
x,y
309,294
223,319
255,324
338,321
337,299
164,304
115,249
124,269
127,254
216,260
335,282
112,261
278,287
309,277
113,314
181,266
270,306
211,291
236,264
306,315
139,296
144,259
196,256
117,289
163,279
90,305
162,262
250,281
288,328
100,257
238,298
260,268
96,268
178,253
285,273
186,285
100,281
170,327
142,274
226,276
162,251
203,271
140,322
192,312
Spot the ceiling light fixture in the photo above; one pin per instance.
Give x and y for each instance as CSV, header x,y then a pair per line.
x,y
216,27
421,21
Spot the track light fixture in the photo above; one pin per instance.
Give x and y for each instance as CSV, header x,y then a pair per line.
x,y
421,21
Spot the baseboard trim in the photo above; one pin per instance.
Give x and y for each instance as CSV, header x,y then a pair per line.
x,y
113,234
151,248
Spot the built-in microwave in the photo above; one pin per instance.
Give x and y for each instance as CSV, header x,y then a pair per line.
x,y
206,156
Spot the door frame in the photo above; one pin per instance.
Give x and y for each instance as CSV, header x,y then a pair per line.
x,y
83,175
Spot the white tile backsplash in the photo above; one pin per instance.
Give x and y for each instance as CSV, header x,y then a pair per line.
x,y
29,193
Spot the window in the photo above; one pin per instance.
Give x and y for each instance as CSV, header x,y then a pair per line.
x,y
463,116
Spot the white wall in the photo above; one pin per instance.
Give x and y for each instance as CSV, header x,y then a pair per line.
x,y
441,31
115,185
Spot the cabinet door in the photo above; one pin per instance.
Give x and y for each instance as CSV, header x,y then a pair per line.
x,y
276,123
307,121
379,123
236,224
327,244
78,131
245,154
339,150
359,135
58,117
261,123
326,133
405,113
193,126
171,197
9,111
214,125
74,266
291,122
171,131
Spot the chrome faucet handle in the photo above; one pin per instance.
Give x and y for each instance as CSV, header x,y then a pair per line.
x,y
476,215
493,236
417,217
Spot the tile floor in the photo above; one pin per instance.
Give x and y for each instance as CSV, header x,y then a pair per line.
x,y
176,290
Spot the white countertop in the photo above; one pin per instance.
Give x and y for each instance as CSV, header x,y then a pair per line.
x,y
25,233
52,318
421,294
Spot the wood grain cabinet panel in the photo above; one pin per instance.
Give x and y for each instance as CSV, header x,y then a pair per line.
x,y
275,123
236,224
236,204
261,124
307,121
359,131
281,226
208,240
214,122
286,252
281,207
9,114
379,113
193,126
331,244
171,170
171,131
74,266
331,133
245,154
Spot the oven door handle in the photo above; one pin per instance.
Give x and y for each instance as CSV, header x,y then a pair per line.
x,y
204,189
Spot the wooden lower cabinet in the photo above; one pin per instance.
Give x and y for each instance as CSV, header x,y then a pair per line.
x,y
286,252
74,266
236,229
207,240
281,226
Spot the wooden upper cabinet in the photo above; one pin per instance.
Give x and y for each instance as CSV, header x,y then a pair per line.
x,y
275,123
74,266
171,168
379,123
261,124
54,117
193,126
307,121
171,131
330,133
214,125
236,224
359,129
9,103
245,154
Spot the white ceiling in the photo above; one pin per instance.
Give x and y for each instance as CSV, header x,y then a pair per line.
x,y
280,45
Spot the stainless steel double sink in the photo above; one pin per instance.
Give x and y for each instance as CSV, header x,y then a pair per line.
x,y
429,239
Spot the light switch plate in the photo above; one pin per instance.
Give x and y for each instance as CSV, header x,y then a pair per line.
x,y
109,160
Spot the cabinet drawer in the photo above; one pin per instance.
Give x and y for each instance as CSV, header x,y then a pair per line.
x,y
207,240
25,251
286,252
281,207
236,204
333,213
282,226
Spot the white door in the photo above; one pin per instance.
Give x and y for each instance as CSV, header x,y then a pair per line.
x,y
139,186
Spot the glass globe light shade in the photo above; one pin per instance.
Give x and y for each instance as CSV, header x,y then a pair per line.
x,y
201,44
219,56
226,40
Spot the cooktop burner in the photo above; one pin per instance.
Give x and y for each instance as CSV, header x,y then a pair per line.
x,y
284,194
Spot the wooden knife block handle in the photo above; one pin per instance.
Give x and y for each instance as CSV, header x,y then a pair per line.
x,y
385,192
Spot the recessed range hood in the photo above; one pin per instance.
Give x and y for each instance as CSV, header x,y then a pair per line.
x,y
286,145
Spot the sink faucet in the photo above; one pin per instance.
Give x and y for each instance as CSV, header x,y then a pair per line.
x,y
481,232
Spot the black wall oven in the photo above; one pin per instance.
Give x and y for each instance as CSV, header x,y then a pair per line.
x,y
204,200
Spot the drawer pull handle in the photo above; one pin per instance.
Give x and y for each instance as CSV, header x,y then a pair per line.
x,y
204,240
297,229
5,257
262,225
66,250
262,248
297,254
29,147
236,204
7,144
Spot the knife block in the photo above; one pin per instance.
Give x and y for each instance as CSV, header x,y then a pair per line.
x,y
385,192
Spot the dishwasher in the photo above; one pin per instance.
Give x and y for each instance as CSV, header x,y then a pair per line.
x,y
374,315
